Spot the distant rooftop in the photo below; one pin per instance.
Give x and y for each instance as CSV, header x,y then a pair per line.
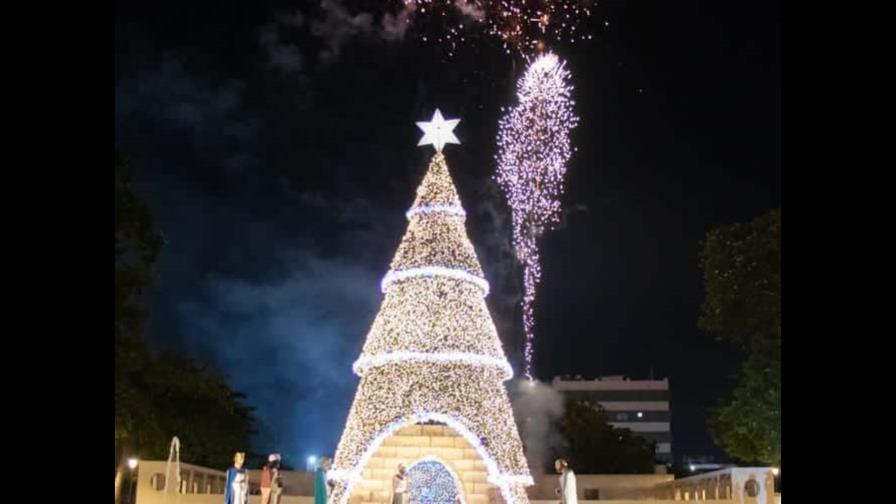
x,y
616,382
604,378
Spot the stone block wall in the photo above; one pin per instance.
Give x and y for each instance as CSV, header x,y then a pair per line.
x,y
416,442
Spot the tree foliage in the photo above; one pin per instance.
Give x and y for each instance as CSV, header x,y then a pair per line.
x,y
596,447
137,247
742,278
748,425
158,396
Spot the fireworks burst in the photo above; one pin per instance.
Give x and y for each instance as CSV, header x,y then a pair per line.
x,y
520,25
533,148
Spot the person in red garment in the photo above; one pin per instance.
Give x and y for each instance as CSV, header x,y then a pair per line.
x,y
268,473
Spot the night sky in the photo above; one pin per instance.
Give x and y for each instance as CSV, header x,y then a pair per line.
x,y
275,142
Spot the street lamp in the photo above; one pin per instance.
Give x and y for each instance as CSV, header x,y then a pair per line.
x,y
311,461
132,483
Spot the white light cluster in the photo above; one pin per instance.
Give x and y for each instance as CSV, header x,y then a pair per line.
x,y
437,188
433,271
437,315
428,209
533,148
363,364
416,255
433,353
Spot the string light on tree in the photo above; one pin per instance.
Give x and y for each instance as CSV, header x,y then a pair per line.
x,y
433,352
533,149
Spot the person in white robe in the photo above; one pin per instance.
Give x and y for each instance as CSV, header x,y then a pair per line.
x,y
567,489
400,486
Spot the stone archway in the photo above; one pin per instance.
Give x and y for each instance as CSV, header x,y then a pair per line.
x,y
416,443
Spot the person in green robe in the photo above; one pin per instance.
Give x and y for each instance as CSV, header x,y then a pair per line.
x,y
320,482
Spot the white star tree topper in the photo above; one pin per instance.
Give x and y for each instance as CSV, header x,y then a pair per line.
x,y
438,132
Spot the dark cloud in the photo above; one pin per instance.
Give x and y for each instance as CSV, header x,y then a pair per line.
x,y
567,212
495,248
295,19
395,25
239,286
282,56
204,120
470,9
338,26
290,341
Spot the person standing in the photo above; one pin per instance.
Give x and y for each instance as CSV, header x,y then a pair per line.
x,y
567,489
276,485
267,477
237,489
399,486
320,481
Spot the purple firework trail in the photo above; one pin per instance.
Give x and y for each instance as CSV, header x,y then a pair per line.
x,y
533,148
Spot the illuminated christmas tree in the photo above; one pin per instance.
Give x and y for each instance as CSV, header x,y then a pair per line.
x,y
433,353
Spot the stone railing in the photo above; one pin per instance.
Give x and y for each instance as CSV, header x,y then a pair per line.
x,y
740,485
201,485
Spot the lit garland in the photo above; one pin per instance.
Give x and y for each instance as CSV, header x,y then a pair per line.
x,y
533,148
363,364
433,353
428,209
433,271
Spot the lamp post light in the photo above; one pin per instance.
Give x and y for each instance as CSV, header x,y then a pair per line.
x,y
132,465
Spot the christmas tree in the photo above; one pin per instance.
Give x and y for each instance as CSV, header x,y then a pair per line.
x,y
433,353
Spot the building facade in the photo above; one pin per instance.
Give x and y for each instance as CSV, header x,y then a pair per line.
x,y
639,405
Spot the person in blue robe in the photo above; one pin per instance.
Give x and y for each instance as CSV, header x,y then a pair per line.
x,y
236,491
